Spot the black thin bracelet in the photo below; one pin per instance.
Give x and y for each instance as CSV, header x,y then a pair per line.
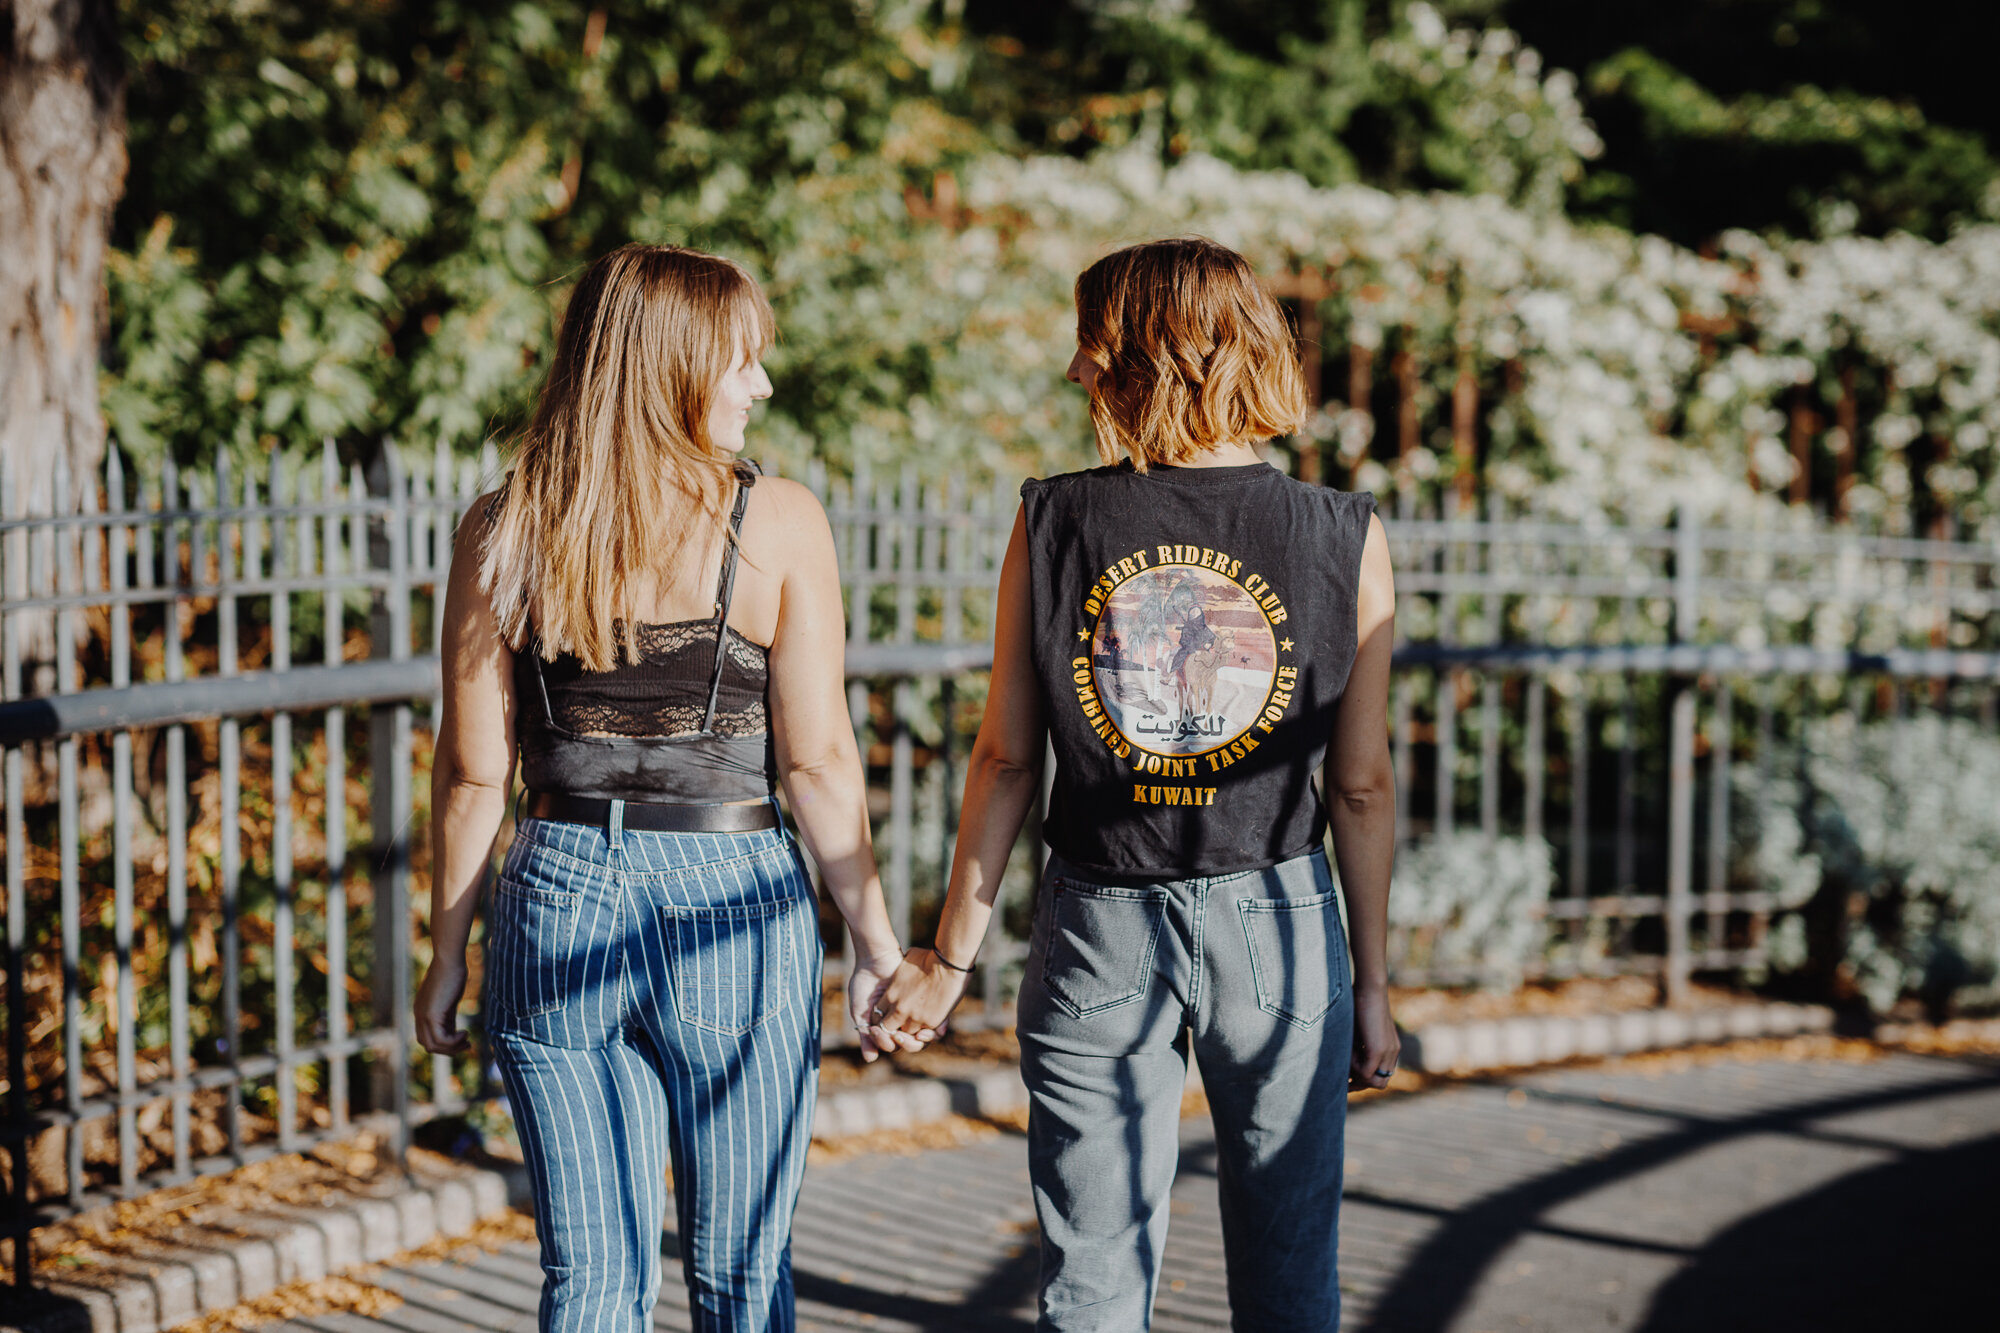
x,y
947,962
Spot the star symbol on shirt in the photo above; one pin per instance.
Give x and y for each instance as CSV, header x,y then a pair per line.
x,y
1082,634
1285,644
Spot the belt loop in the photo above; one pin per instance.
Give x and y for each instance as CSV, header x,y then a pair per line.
x,y
778,813
616,831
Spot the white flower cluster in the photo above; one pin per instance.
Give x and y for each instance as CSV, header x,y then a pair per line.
x,y
1468,907
1902,822
1641,375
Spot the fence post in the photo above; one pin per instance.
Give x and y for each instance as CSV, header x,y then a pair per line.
x,y
1680,835
1680,763
14,587
389,758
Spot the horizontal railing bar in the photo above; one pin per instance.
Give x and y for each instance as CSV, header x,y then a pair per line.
x,y
107,518
377,680
917,659
162,703
1695,659
201,1080
240,588
1523,583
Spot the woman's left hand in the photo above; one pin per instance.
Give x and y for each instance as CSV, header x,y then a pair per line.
x,y
1377,1044
921,996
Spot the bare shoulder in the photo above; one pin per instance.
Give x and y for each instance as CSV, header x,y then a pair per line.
x,y
788,518
480,514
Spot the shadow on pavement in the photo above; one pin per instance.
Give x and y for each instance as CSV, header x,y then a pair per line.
x,y
1439,1280
1908,1244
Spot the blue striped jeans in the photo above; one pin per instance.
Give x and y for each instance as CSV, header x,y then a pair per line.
x,y
653,1002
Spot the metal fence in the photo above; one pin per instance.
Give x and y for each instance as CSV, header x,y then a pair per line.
x,y
198,670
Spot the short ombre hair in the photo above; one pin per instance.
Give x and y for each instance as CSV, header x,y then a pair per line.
x,y
1191,352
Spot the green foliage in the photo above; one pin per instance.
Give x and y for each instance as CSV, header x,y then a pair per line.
x,y
1877,159
1773,115
345,220
1337,90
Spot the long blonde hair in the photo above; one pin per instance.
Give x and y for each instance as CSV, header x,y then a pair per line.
x,y
1191,352
616,470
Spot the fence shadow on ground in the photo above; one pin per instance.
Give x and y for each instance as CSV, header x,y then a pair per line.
x,y
1830,1250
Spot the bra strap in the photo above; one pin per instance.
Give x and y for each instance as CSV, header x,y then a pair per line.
x,y
725,588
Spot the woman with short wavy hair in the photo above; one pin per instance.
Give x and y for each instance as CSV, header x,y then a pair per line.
x,y
657,632
1194,635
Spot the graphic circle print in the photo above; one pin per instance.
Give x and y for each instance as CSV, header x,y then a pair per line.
x,y
1183,660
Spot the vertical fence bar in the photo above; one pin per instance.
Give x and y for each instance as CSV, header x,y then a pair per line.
x,y
332,626
1722,727
431,491
121,834
1680,843
230,758
1534,758
1766,744
903,533
66,581
14,570
179,1056
849,497
283,962
1578,727
389,747
1404,740
1489,689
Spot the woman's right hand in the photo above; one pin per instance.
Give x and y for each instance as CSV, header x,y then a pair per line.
x,y
436,1014
867,990
920,998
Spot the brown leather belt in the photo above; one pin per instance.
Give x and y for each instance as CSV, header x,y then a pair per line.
x,y
652,817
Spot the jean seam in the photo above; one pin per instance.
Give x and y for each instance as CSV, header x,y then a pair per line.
x,y
1199,911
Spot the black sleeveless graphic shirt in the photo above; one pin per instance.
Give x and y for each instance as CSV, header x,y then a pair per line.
x,y
1193,633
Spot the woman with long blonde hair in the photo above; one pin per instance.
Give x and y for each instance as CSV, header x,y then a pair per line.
x,y
657,632
1195,636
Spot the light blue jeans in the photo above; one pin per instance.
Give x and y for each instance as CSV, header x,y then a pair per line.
x,y
653,1001
1124,977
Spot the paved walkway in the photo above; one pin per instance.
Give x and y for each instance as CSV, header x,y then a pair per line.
x,y
1771,1196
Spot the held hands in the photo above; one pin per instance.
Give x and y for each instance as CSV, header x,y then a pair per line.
x,y
919,999
1377,1044
868,1008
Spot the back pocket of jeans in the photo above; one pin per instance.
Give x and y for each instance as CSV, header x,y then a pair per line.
x,y
727,965
530,950
1101,944
1295,954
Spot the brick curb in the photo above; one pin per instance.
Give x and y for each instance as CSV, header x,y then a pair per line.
x,y
1534,1039
193,1271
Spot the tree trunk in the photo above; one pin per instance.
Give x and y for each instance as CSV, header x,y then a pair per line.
x,y
62,168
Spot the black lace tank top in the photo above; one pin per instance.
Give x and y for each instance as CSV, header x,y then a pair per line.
x,y
685,723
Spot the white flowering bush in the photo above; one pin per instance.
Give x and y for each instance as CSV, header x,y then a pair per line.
x,y
1892,830
1464,907
1621,403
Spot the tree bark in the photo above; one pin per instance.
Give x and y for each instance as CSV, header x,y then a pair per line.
x,y
62,168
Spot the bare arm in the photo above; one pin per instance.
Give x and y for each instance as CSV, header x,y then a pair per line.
x,y
818,762
470,775
1000,781
1361,804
